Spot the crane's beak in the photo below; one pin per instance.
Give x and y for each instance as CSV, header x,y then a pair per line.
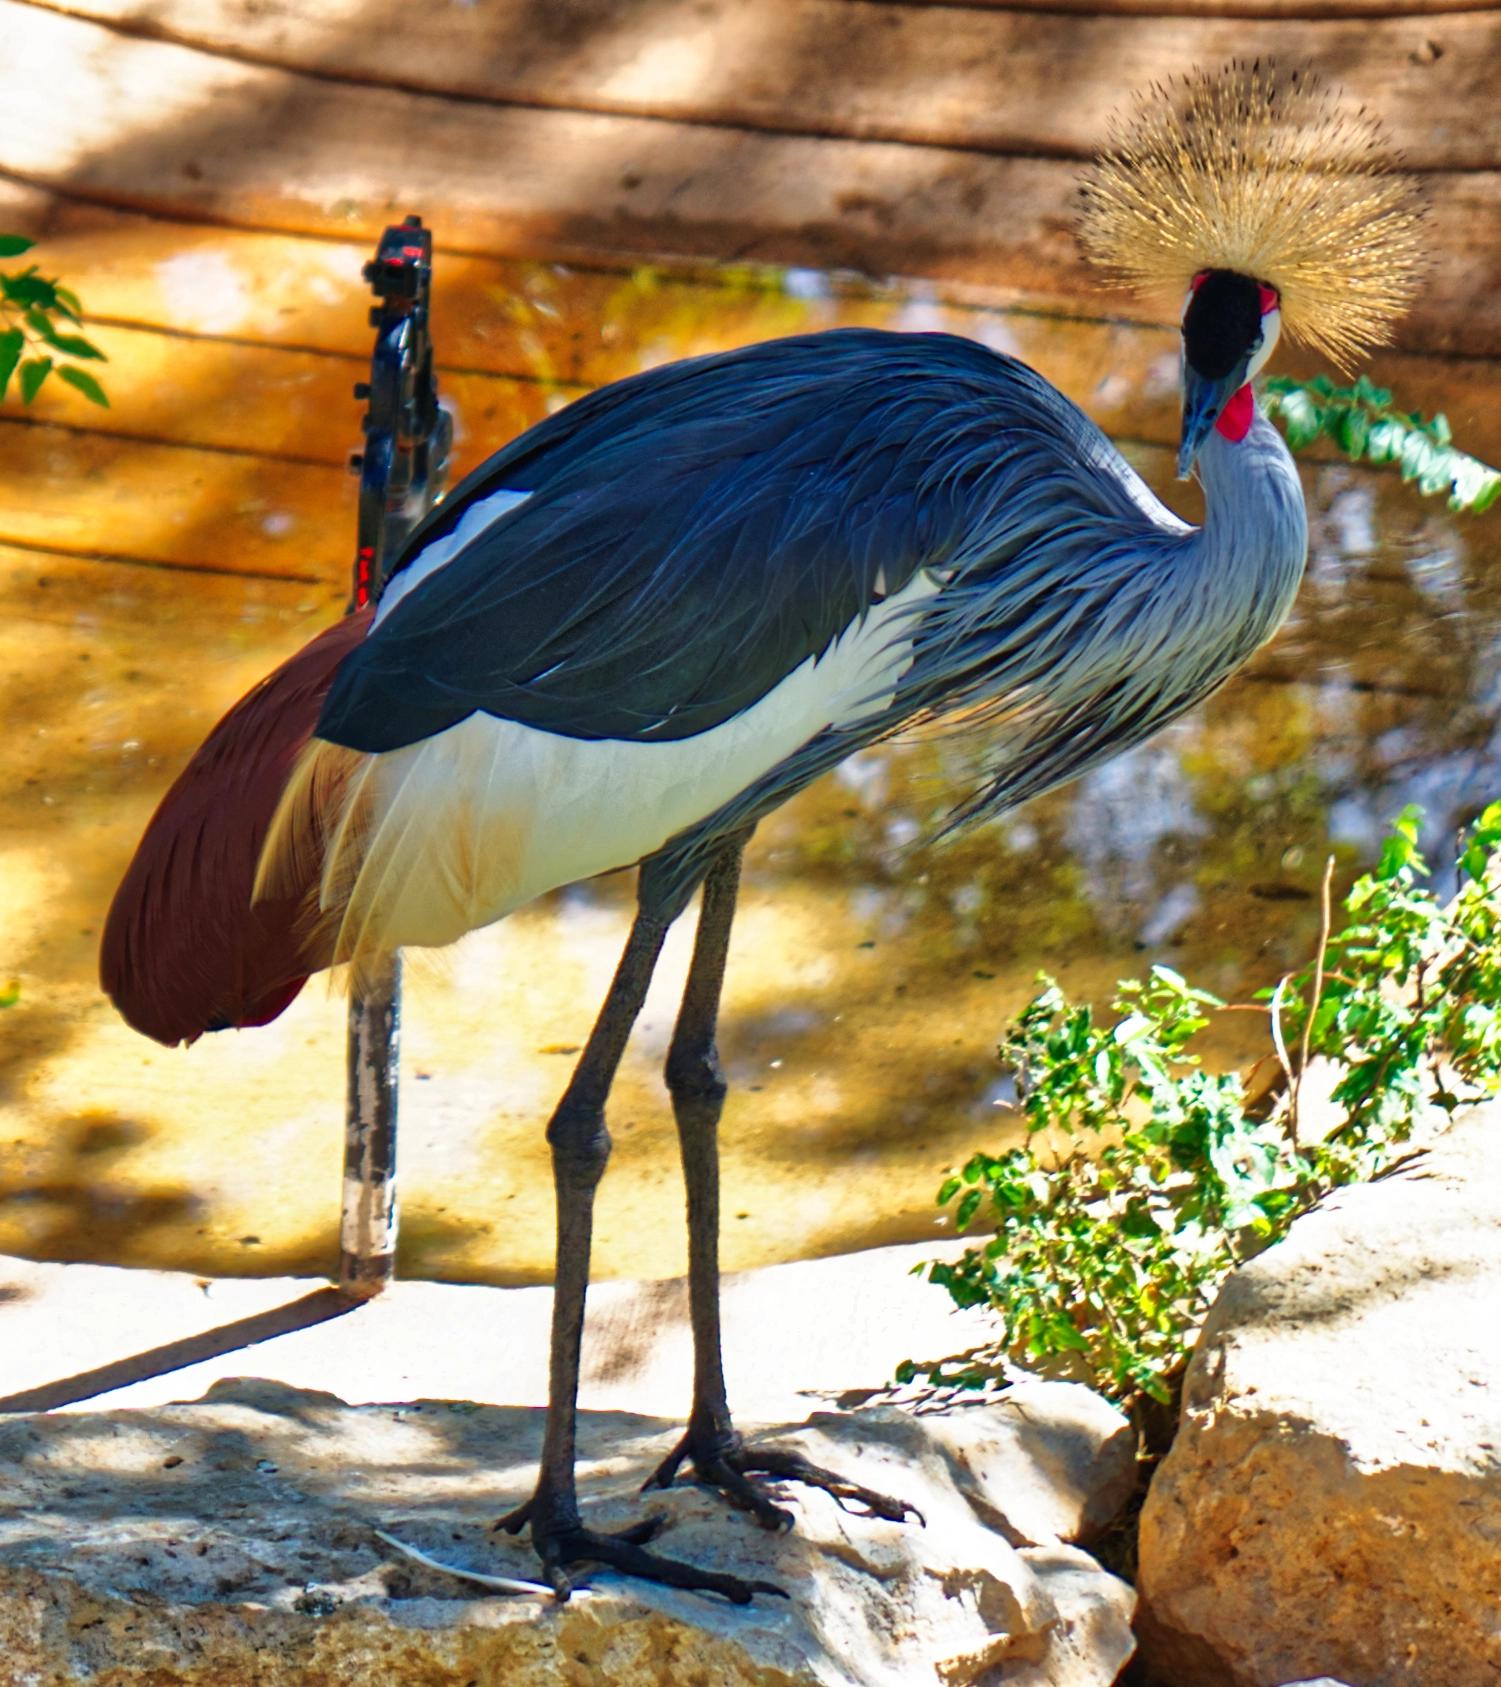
x,y
1203,400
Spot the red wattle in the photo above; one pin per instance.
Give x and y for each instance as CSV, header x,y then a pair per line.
x,y
1237,416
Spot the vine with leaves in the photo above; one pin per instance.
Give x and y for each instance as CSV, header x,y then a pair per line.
x,y
1364,423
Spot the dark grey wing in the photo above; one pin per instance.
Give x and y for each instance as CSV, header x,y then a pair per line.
x,y
691,536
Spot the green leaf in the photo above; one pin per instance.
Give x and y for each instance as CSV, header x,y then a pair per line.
x,y
13,245
10,993
12,344
73,344
27,289
1385,442
1361,422
1474,486
1302,419
84,382
1351,429
948,1189
33,372
76,346
967,1208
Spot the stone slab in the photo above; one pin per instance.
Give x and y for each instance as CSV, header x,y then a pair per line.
x,y
231,1541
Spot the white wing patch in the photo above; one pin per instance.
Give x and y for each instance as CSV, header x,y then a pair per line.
x,y
457,830
432,557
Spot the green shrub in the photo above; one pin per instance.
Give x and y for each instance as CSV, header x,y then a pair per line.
x,y
1146,1179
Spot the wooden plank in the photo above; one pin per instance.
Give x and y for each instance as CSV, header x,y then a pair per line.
x,y
544,333
568,326
81,594
967,77
181,133
264,400
296,405
88,494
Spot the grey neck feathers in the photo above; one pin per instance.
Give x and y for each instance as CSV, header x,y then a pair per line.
x,y
1096,633
1255,534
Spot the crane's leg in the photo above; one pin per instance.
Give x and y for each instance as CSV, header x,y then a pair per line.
x,y
580,1147
696,1082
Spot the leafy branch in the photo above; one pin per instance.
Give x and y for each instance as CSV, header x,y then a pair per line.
x,y
38,316
1145,1179
1363,423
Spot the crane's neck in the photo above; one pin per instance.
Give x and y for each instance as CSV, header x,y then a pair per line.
x,y
1254,540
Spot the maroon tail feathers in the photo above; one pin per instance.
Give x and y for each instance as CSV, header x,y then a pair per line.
x,y
184,950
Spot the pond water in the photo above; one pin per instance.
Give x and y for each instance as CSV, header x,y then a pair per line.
x,y
870,977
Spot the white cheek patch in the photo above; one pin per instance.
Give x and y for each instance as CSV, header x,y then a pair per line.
x,y
1271,328
432,557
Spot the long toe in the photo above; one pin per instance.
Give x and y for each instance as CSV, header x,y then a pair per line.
x,y
584,1546
727,1464
785,1465
742,1492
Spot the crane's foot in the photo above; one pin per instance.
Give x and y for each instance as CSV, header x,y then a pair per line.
x,y
722,1460
562,1547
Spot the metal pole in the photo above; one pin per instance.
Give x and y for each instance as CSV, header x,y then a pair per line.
x,y
367,1224
401,469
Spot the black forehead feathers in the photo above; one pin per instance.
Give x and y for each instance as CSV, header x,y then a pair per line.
x,y
1222,324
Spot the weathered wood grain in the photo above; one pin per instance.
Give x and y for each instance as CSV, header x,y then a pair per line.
x,y
1027,82
296,405
87,494
252,341
267,401
189,135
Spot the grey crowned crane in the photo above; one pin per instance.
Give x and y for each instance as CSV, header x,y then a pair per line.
x,y
659,613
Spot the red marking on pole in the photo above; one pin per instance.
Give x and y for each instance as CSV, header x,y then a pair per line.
x,y
364,575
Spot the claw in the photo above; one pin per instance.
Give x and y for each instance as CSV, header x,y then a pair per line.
x,y
514,1521
728,1464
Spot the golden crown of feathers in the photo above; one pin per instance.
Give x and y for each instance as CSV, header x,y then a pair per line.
x,y
1259,169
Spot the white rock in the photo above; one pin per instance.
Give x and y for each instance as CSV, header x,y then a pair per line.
x,y
1332,1503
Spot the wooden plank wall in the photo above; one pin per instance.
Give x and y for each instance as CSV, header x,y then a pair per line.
x,y
210,173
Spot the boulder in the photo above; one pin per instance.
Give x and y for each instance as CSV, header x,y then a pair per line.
x,y
1332,1503
232,1542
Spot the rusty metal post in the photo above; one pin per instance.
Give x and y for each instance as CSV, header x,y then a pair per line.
x,y
401,469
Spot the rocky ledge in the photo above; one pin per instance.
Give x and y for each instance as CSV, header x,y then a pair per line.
x,y
231,1543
